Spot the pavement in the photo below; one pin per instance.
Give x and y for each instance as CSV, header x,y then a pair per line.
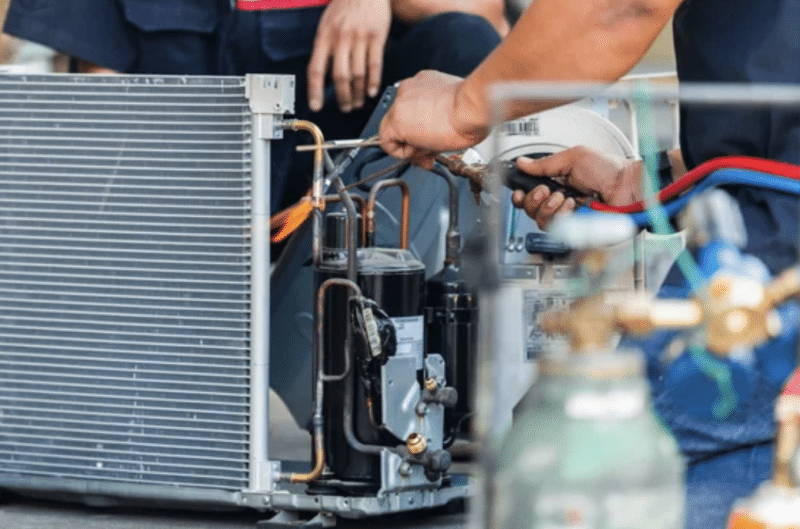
x,y
287,441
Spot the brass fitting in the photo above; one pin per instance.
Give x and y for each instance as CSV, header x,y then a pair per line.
x,y
431,384
416,444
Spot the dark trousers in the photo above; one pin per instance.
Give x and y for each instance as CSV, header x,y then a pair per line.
x,y
451,42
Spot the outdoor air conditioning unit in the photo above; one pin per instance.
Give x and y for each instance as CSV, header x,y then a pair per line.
x,y
134,294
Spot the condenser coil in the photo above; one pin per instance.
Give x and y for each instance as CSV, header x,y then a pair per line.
x,y
134,269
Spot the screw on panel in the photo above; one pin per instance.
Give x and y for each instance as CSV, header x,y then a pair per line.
x,y
405,469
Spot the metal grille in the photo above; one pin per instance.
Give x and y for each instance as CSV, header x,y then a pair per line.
x,y
124,279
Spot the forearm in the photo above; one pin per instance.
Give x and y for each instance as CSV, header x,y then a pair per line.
x,y
413,11
564,40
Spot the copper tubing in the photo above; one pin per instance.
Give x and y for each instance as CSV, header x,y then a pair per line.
x,y
323,289
351,227
453,237
317,199
475,175
321,378
319,458
404,213
319,157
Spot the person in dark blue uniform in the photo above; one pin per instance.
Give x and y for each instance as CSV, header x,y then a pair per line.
x,y
721,41
360,54
209,37
130,36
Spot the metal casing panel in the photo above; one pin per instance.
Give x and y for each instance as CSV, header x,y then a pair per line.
x,y
125,284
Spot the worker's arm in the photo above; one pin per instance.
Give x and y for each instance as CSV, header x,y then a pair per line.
x,y
413,11
564,40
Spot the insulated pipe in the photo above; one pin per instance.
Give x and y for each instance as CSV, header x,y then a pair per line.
x,y
362,206
453,237
404,213
347,422
317,198
318,418
351,227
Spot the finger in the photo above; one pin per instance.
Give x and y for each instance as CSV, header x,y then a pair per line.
x,y
342,75
567,207
549,209
423,158
392,141
567,167
533,200
518,198
317,70
375,65
558,164
358,65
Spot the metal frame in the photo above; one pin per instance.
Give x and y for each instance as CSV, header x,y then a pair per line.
x,y
269,96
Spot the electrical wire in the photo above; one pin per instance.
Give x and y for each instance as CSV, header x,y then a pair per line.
x,y
399,166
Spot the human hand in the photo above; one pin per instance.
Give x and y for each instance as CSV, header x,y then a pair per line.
x,y
351,37
88,67
426,118
615,183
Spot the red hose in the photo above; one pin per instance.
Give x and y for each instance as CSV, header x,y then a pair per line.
x,y
792,386
677,187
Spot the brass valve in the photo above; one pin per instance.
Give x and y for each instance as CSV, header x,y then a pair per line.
x,y
787,439
592,321
735,312
431,384
416,444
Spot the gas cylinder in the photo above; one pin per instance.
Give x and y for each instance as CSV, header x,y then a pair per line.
x,y
770,507
588,450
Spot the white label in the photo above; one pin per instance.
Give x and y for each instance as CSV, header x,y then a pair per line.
x,y
521,127
372,332
535,303
614,404
562,510
410,337
651,508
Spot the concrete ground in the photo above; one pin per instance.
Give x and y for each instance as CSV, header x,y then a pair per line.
x,y
28,514
288,442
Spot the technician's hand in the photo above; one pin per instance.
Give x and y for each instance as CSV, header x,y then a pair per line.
x,y
351,37
615,183
428,117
